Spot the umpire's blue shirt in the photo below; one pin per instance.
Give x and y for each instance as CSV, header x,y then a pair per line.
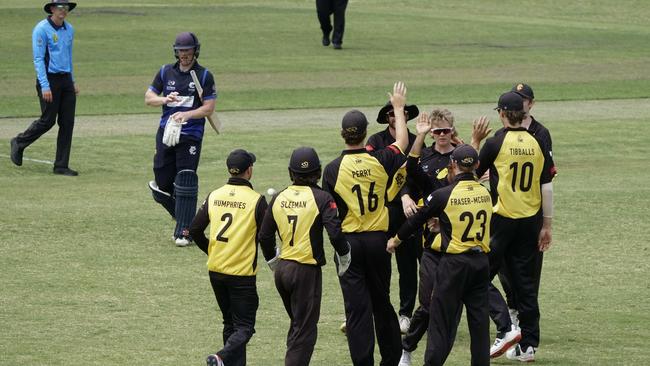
x,y
52,48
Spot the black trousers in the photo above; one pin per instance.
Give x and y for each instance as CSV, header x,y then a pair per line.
x,y
238,301
61,110
420,320
168,161
366,293
513,243
462,279
407,256
300,287
325,8
504,278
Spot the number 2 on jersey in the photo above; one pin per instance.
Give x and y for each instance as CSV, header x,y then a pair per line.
x,y
227,218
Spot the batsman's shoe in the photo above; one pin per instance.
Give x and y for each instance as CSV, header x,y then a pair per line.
x,y
515,353
404,324
183,241
214,360
16,152
65,171
502,344
514,317
406,359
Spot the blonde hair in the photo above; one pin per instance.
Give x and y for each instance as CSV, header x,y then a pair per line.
x,y
443,115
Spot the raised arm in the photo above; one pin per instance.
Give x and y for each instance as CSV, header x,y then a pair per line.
x,y
398,100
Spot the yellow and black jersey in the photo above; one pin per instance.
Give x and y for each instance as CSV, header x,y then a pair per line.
x,y
234,213
298,214
358,180
382,140
464,209
519,165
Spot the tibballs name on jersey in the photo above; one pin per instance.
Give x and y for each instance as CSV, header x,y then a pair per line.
x,y
293,204
229,204
361,173
521,151
469,200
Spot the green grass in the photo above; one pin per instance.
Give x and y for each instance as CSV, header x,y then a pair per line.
x,y
88,272
90,275
267,55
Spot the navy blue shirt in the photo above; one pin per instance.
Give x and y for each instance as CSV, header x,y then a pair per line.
x,y
171,79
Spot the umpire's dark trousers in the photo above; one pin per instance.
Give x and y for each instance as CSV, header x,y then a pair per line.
x,y
300,287
407,256
513,243
325,8
462,279
366,293
64,101
238,301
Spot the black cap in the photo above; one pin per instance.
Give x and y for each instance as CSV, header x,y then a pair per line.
x,y
510,101
524,90
239,160
58,2
354,122
411,109
304,160
465,156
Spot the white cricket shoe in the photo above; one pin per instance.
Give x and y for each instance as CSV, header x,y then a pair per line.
x,y
404,323
183,241
344,327
502,344
406,359
515,353
514,317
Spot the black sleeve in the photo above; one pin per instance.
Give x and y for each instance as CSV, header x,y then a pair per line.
x,y
329,216
417,178
373,143
548,171
487,154
434,206
267,232
329,178
543,136
157,83
197,228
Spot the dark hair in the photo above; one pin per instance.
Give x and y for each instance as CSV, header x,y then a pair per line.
x,y
353,138
514,117
306,179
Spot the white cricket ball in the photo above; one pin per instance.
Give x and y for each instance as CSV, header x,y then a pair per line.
x,y
271,192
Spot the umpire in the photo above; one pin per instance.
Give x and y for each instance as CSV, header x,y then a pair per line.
x,y
464,209
234,213
298,214
52,40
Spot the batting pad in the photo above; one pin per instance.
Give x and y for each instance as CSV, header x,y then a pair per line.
x,y
186,188
162,197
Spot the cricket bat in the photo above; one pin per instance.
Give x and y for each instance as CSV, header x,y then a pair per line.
x,y
199,89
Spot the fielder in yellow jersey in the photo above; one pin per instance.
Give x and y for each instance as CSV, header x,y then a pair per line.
x,y
464,209
234,213
521,170
298,214
358,180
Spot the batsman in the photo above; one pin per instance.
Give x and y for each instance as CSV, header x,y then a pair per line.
x,y
186,104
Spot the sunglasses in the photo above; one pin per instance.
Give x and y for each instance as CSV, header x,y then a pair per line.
x,y
440,131
392,113
63,7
